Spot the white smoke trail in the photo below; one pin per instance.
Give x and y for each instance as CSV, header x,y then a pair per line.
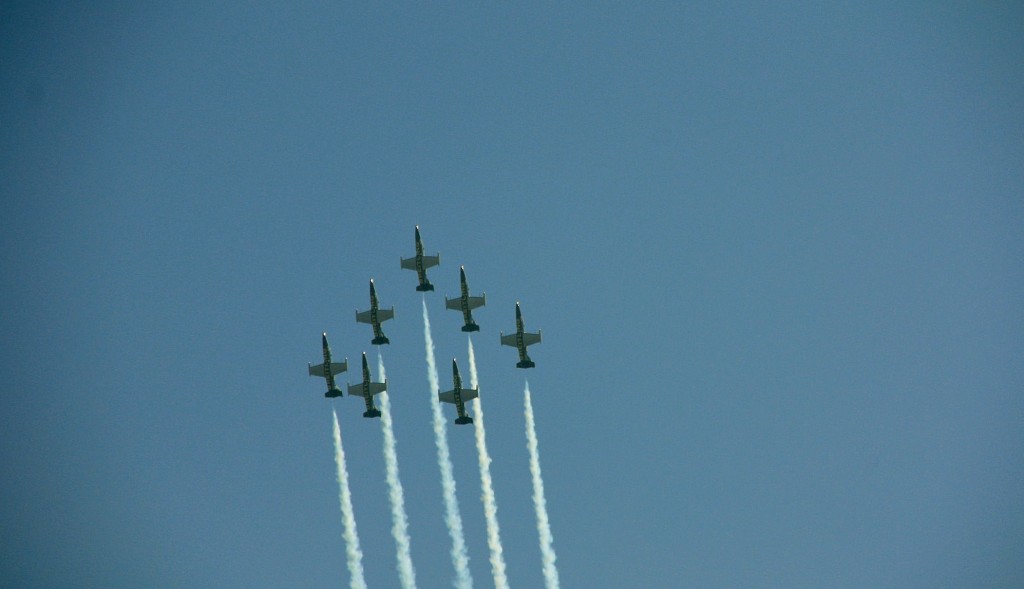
x,y
486,485
452,519
399,521
547,551
348,518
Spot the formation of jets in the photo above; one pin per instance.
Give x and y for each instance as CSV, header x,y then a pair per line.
x,y
465,304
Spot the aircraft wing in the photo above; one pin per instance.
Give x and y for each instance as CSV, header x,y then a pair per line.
x,y
531,338
409,263
376,388
385,314
431,261
449,396
363,317
508,340
336,368
456,303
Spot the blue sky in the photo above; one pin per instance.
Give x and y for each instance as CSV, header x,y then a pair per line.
x,y
774,250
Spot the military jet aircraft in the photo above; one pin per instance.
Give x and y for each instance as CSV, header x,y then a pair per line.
x,y
520,340
328,369
367,389
466,303
458,396
374,317
420,263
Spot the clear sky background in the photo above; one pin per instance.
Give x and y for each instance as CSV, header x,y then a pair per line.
x,y
774,248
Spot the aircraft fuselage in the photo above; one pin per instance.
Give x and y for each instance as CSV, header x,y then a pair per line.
x,y
523,357
371,410
520,329
421,271
467,313
328,373
374,311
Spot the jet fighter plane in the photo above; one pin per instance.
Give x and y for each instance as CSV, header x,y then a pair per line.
x,y
328,369
367,389
420,263
458,396
466,303
374,317
520,340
